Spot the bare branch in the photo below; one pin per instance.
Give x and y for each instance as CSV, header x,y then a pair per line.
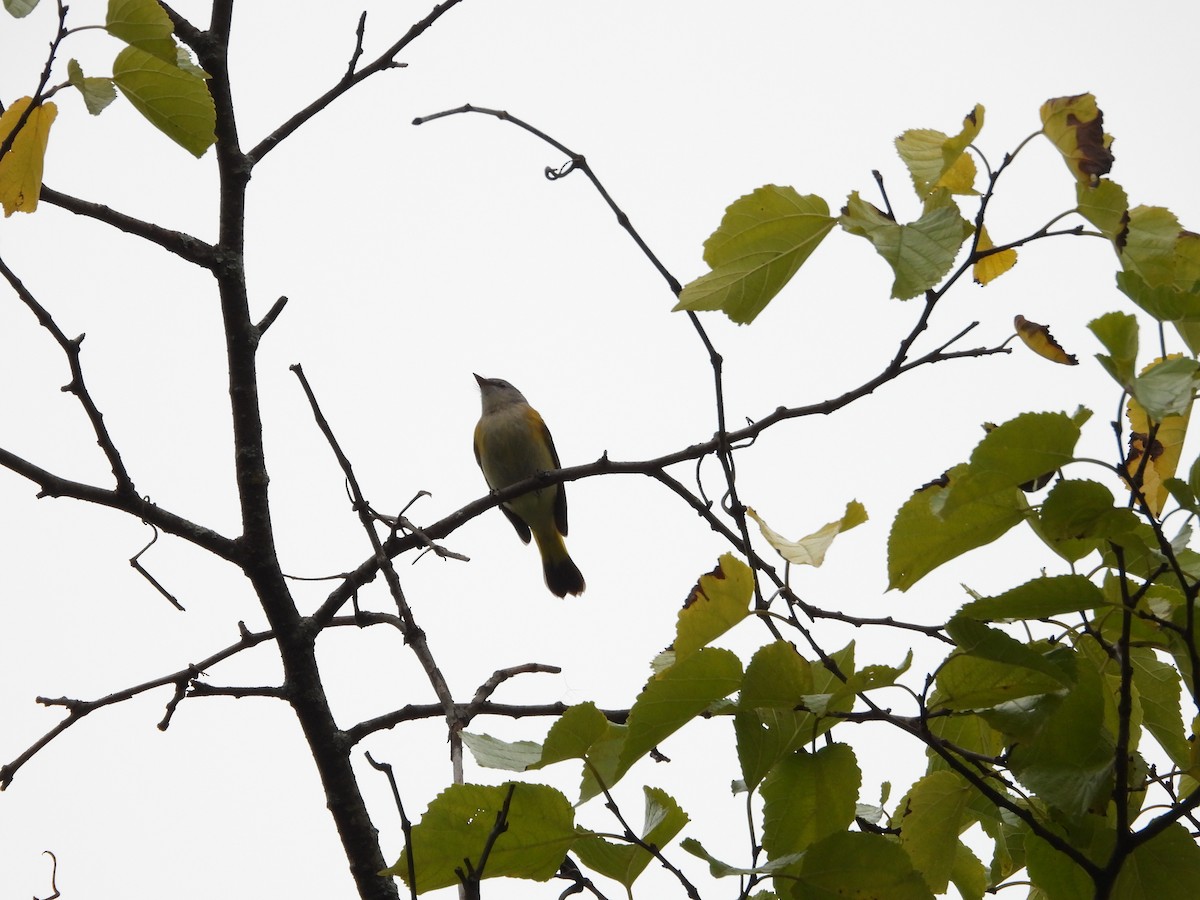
x,y
76,386
185,246
386,60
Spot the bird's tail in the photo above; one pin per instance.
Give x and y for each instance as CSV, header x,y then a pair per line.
x,y
562,575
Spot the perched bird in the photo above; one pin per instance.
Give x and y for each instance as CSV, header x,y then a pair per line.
x,y
512,443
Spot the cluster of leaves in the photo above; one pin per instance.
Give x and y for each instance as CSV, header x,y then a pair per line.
x,y
1065,747
155,74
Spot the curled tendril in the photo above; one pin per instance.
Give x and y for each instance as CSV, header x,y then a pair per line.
x,y
553,174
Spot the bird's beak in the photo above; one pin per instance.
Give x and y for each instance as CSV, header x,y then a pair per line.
x,y
479,379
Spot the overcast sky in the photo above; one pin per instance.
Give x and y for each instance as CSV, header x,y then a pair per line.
x,y
413,257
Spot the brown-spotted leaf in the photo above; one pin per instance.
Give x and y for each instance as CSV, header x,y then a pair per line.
x,y
1075,125
1039,339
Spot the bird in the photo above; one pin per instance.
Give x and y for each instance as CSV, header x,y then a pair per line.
x,y
512,444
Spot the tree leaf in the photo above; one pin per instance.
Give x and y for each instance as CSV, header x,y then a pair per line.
x,y
810,550
937,161
175,102
97,92
1068,763
1038,599
932,820
860,865
574,734
988,268
983,642
807,797
1162,395
925,535
142,24
1166,867
19,9
1039,339
493,753
719,869
625,862
719,601
1147,245
669,701
1166,302
762,241
921,252
1157,684
456,826
1018,451
967,874
1118,332
767,724
1075,125
21,167
1080,516
1105,205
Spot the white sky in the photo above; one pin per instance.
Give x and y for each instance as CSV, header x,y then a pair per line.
x,y
416,256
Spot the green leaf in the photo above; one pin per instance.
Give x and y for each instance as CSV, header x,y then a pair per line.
x,y
1106,206
1166,867
766,724
625,862
980,641
933,818
719,601
175,102
925,535
1166,302
1118,332
19,9
142,24
921,252
669,701
968,683
97,92
493,753
968,875
763,239
1038,599
1147,245
1080,516
1079,509
1019,451
719,869
937,161
574,734
854,864
1058,876
1157,684
456,827
810,550
1167,387
1068,764
807,797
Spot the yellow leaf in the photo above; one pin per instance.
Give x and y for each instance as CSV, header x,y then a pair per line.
x,y
810,551
1075,125
21,167
719,601
992,266
1164,451
1039,339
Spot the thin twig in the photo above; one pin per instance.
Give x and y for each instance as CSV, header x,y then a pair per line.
x,y
405,823
413,635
